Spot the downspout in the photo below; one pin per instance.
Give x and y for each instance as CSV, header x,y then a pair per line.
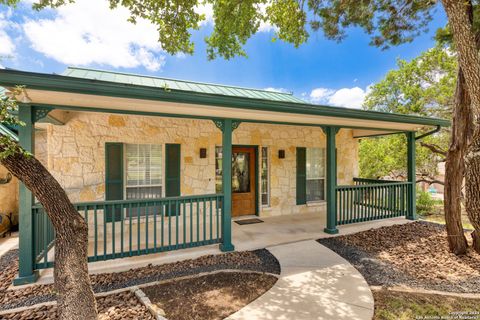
x,y
426,134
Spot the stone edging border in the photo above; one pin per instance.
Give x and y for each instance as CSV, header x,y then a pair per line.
x,y
157,312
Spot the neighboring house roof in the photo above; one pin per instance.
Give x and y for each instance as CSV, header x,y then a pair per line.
x,y
4,130
181,85
93,90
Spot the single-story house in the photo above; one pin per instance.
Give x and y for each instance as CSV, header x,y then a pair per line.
x,y
142,159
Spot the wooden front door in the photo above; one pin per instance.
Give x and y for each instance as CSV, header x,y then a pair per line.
x,y
243,181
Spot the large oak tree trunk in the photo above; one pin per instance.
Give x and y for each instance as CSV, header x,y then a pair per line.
x,y
460,18
455,168
75,298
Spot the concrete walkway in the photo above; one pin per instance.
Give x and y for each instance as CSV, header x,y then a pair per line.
x,y
315,283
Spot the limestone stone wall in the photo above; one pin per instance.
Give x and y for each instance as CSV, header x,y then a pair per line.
x,y
8,194
76,153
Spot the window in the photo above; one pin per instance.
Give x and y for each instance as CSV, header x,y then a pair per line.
x,y
143,165
315,174
218,169
265,179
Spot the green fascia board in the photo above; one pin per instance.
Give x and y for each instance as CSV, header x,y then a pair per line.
x,y
52,82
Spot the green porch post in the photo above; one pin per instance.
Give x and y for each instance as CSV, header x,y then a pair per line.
x,y
411,174
331,180
26,273
227,129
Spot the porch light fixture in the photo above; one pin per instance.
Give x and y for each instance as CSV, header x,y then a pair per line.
x,y
281,154
203,153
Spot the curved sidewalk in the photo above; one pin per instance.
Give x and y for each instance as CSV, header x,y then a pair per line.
x,y
315,283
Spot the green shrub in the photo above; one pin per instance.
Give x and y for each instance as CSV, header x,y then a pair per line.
x,y
425,203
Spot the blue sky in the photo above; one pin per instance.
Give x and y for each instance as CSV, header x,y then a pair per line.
x,y
89,34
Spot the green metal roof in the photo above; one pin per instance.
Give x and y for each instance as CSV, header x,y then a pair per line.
x,y
62,83
4,130
181,85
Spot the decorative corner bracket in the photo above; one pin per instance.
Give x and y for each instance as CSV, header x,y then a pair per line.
x,y
220,124
324,129
40,112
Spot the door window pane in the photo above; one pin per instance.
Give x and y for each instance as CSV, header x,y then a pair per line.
x,y
218,169
265,179
241,172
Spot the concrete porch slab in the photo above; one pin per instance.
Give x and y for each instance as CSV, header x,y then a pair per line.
x,y
273,231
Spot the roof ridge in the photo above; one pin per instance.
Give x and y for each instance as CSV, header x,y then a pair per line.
x,y
181,80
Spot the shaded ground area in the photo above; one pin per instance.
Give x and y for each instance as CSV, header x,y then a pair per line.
x,y
405,306
209,297
117,306
414,254
258,260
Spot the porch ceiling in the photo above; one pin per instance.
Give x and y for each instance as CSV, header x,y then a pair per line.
x,y
71,93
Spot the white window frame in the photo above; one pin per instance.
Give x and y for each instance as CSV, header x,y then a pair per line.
x,y
268,177
324,175
125,170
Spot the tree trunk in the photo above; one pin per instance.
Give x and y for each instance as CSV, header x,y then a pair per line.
x,y
455,168
75,295
460,18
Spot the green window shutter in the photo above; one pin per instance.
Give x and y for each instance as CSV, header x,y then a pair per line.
x,y
172,172
113,177
301,175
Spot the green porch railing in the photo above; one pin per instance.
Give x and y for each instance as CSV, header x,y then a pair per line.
x,y
127,228
366,202
365,181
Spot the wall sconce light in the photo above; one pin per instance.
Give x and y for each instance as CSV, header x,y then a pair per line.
x,y
281,154
203,153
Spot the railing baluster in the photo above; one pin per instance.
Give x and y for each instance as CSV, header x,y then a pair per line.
x,y
162,215
169,208
105,213
217,218
138,229
122,210
204,220
95,229
155,208
211,220
191,221
147,213
184,204
130,214
113,229
198,220
177,213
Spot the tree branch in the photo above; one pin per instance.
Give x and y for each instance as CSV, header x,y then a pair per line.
x,y
434,148
430,182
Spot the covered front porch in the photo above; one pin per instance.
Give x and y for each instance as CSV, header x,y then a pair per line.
x,y
130,228
273,231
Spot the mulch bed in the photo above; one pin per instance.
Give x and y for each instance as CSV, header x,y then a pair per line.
x,y
116,306
414,254
209,297
258,260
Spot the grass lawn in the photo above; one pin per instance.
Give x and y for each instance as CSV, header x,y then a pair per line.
x,y
440,218
390,305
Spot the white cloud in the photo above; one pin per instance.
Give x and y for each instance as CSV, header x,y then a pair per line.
x,y
320,94
345,97
89,32
207,10
7,46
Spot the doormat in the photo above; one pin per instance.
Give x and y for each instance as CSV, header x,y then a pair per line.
x,y
248,221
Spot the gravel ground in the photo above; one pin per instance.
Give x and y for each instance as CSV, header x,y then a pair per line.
x,y
117,306
414,254
258,260
209,297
